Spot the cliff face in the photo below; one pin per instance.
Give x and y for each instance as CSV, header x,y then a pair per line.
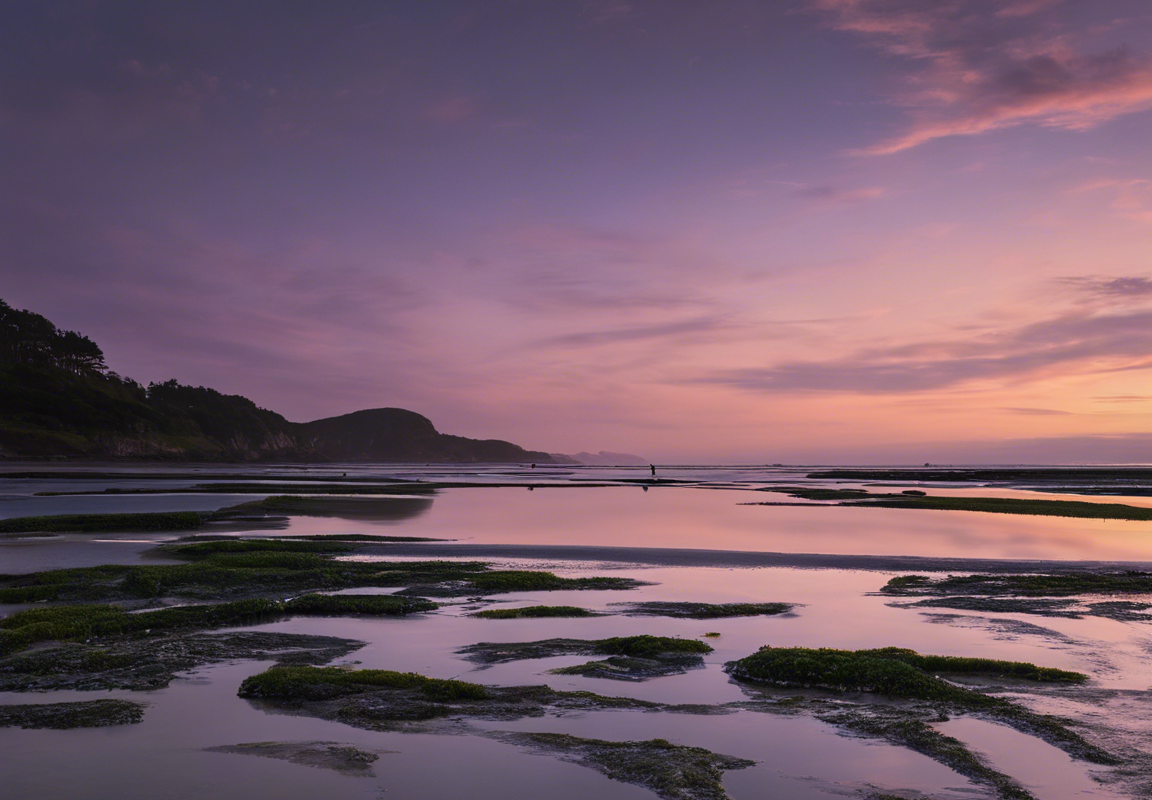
x,y
394,434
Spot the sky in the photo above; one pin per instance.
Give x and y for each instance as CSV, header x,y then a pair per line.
x,y
802,231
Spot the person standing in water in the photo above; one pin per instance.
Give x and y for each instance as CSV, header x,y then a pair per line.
x,y
653,468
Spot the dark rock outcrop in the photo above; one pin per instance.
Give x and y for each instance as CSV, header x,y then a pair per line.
x,y
394,434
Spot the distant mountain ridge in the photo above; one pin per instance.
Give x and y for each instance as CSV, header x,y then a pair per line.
x,y
58,399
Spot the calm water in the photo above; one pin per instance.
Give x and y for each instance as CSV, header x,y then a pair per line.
x,y
796,757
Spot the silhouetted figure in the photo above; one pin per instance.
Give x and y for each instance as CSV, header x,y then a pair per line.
x,y
653,468
533,466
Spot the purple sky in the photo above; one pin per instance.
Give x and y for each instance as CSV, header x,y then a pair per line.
x,y
814,230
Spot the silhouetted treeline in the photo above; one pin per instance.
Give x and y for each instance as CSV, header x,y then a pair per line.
x,y
57,398
28,338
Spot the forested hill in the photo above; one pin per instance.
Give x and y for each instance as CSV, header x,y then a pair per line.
x,y
58,398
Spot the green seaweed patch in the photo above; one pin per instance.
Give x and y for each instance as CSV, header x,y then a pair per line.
x,y
818,494
64,623
63,716
705,610
841,671
325,683
988,505
380,699
534,611
1012,505
1064,584
536,581
227,571
646,646
366,538
153,522
630,668
672,771
643,646
145,663
890,671
206,549
963,665
1041,606
373,605
93,621
906,582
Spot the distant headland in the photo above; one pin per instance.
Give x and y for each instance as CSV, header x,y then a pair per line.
x,y
59,399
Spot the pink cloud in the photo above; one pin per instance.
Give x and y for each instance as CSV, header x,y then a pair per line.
x,y
979,65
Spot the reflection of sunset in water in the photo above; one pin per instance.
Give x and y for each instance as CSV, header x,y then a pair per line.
x,y
716,520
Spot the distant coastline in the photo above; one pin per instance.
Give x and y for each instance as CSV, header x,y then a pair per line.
x,y
59,400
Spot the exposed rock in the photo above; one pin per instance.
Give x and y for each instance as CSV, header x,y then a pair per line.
x,y
86,714
345,758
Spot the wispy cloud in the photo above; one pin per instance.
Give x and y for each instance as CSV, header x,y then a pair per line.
x,y
1073,343
1131,287
1036,412
1124,398
828,196
638,333
981,65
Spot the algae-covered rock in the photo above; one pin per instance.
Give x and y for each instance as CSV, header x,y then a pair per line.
x,y
629,668
146,663
671,771
643,647
704,610
85,714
